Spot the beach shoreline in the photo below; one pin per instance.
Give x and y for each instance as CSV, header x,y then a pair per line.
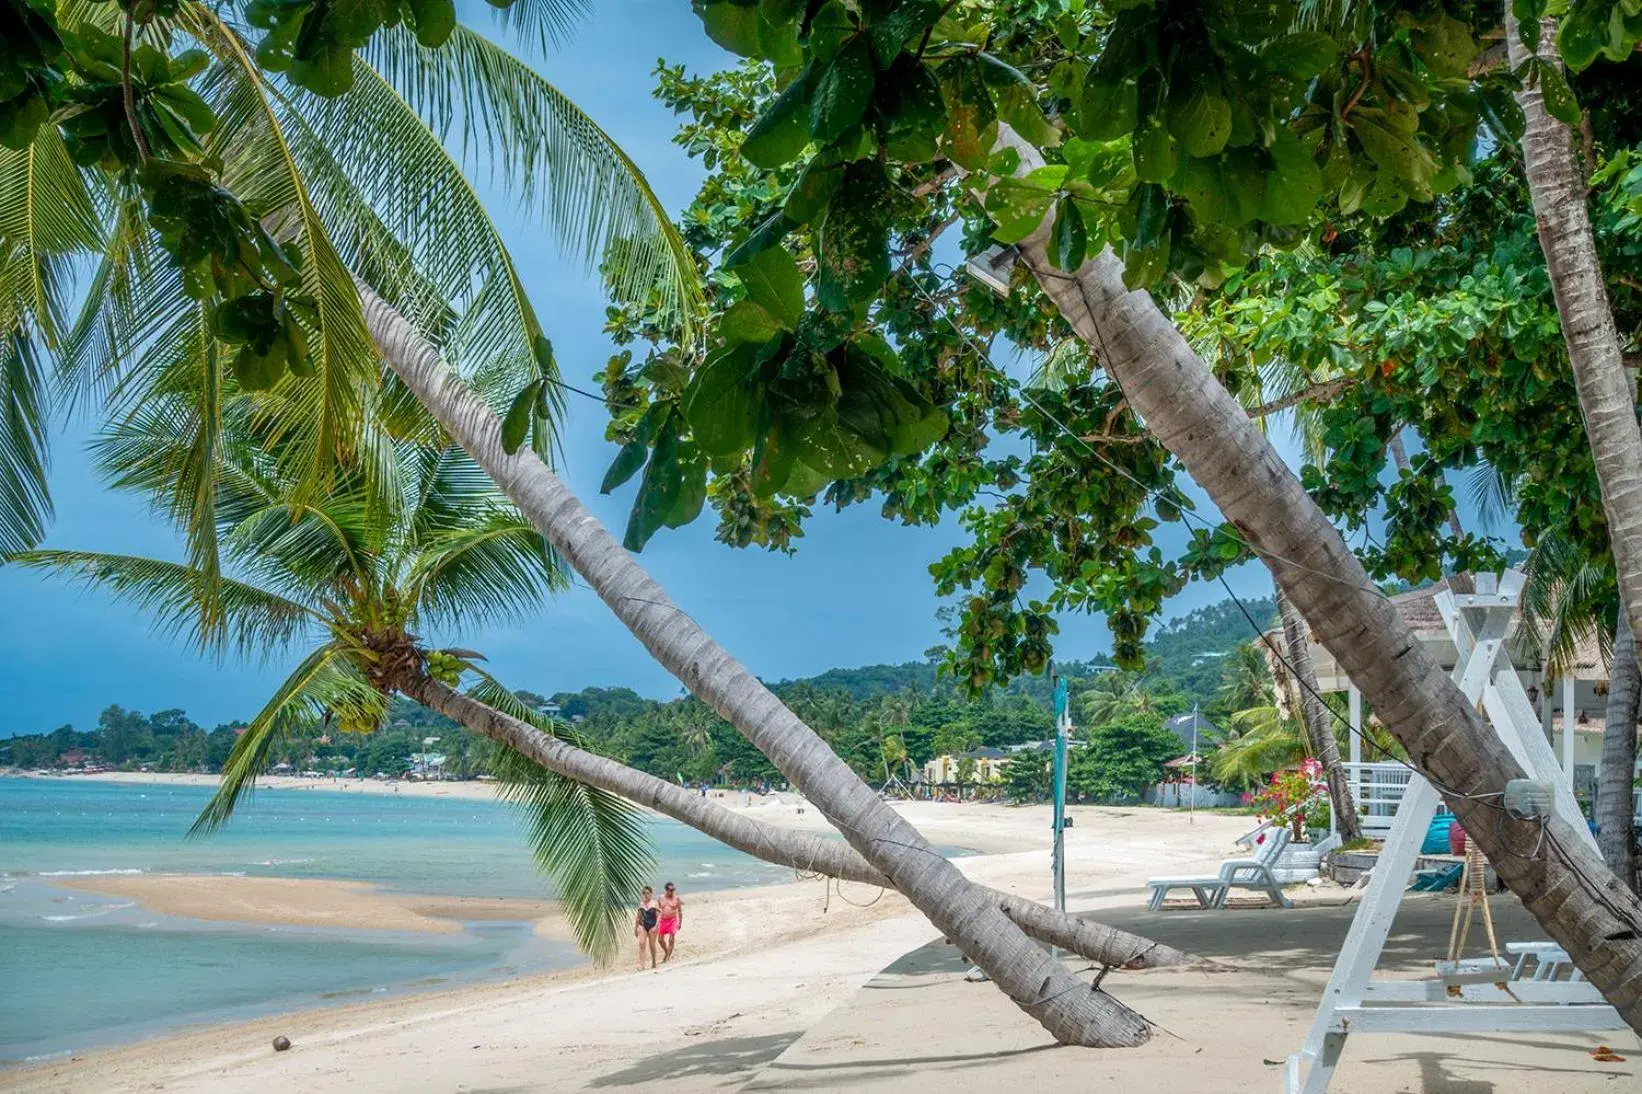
x,y
759,961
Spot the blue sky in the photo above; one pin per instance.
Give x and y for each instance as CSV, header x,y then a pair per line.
x,y
857,592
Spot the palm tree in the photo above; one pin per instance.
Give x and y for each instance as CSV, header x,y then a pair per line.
x,y
1264,741
415,334
347,579
968,915
1115,695
1245,678
1318,723
454,552
1566,886
1568,599
364,186
1607,394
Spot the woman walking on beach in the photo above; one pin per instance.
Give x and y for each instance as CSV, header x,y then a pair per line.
x,y
672,920
644,926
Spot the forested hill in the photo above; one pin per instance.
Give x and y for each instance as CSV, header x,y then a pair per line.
x,y
1184,656
854,709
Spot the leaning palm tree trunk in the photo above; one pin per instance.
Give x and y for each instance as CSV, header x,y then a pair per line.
x,y
804,851
1074,1012
1615,791
1606,396
1564,883
1319,726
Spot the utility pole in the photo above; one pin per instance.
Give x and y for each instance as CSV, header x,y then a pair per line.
x,y
1191,809
1063,722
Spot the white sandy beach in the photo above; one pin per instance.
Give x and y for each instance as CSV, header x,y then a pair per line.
x,y
807,986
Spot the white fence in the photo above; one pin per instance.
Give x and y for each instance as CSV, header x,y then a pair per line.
x,y
1377,788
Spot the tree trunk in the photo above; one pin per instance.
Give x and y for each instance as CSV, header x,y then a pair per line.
x,y
1074,1012
1564,884
805,851
1606,397
1315,717
1615,787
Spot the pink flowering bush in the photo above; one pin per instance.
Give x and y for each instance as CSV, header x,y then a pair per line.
x,y
1294,798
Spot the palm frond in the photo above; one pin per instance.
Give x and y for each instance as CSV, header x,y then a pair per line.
x,y
1266,742
547,23
494,567
326,680
394,191
551,156
132,299
592,843
1492,493
253,620
25,494
316,418
47,219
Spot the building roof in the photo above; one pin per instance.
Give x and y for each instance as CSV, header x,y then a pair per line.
x,y
983,753
1418,608
1181,726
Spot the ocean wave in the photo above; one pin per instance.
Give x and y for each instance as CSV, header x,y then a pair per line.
x,y
100,911
283,862
85,873
49,1056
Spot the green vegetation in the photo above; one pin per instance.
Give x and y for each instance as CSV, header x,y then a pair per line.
x,y
865,713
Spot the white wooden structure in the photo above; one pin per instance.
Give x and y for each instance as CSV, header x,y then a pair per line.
x,y
1571,709
1354,1001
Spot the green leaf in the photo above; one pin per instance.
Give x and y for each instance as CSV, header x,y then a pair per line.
x,y
1558,96
1446,46
778,41
1390,142
1108,109
852,241
746,321
1500,109
624,466
1200,118
722,402
1155,152
909,97
516,425
781,133
766,235
809,195
1293,185
842,92
1301,55
732,25
891,31
1070,239
659,491
1018,207
773,280
972,120
433,21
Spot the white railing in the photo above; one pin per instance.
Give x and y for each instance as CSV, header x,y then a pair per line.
x,y
1377,789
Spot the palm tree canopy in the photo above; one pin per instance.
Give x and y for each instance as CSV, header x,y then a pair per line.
x,y
361,186
348,575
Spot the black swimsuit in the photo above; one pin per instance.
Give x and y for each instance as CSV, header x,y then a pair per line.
x,y
647,918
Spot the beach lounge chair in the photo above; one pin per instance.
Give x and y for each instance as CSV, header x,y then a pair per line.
x,y
1239,873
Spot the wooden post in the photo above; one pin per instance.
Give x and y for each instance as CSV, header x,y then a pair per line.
x,y
1569,717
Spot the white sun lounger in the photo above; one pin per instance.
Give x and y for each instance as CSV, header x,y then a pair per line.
x,y
1238,873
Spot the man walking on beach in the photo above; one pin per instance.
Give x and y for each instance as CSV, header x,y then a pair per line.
x,y
672,920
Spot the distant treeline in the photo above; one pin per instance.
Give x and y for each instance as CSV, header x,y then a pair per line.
x,y
882,719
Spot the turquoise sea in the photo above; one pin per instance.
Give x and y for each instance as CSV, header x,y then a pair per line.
x,y
80,969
